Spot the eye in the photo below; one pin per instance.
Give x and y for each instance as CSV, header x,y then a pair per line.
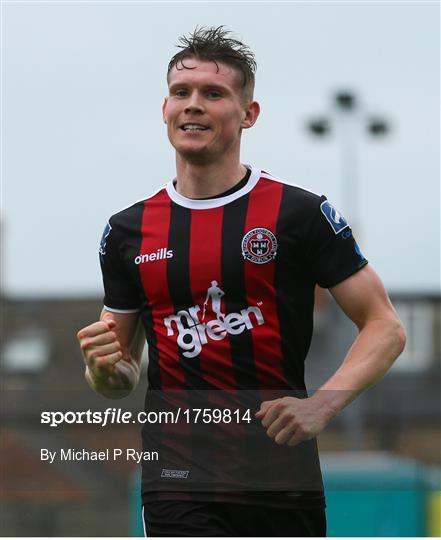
x,y
181,92
214,94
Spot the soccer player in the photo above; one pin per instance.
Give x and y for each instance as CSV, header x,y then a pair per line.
x,y
218,269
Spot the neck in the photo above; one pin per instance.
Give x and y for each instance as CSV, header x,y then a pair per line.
x,y
200,181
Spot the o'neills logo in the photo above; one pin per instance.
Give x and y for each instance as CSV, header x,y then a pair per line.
x,y
194,332
162,253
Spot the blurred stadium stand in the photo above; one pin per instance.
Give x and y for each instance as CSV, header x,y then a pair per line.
x,y
42,369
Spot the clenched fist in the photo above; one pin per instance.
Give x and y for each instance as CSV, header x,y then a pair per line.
x,y
109,369
291,421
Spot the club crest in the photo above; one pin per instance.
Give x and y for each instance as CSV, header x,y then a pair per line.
x,y
259,246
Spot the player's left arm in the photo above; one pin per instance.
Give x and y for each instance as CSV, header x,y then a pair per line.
x,y
380,341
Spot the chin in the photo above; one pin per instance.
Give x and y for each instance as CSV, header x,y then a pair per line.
x,y
194,155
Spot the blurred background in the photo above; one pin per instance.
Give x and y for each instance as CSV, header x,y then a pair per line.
x,y
350,108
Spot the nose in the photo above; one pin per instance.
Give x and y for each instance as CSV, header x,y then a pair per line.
x,y
194,103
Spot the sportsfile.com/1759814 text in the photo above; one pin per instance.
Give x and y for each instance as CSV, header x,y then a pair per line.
x,y
114,415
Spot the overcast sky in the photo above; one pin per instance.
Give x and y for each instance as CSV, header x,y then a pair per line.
x,y
82,88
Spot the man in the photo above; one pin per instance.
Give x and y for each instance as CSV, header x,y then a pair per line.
x,y
257,247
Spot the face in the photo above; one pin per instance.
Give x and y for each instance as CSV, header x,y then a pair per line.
x,y
205,111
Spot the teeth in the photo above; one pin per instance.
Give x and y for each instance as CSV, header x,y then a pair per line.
x,y
193,127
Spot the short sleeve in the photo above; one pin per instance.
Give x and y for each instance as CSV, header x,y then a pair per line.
x,y
332,252
120,292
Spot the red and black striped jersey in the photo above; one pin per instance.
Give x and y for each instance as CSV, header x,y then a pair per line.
x,y
225,286
225,289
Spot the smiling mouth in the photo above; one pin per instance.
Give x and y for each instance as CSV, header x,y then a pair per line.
x,y
193,127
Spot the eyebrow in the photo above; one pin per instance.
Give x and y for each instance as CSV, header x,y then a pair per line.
x,y
214,86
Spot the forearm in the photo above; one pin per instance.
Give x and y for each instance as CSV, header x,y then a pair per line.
x,y
104,386
372,354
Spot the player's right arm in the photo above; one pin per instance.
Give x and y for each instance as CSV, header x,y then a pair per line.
x,y
112,349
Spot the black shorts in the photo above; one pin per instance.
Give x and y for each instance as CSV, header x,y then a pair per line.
x,y
190,518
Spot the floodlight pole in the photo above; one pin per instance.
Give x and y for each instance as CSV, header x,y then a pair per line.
x,y
346,124
346,119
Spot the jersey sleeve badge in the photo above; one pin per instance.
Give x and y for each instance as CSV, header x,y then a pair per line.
x,y
333,216
103,242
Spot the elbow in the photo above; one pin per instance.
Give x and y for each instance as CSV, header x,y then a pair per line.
x,y
402,337
399,338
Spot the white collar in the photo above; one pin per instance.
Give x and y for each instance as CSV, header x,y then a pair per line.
x,y
204,204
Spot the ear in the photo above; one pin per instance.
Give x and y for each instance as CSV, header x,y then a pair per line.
x,y
164,105
251,114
